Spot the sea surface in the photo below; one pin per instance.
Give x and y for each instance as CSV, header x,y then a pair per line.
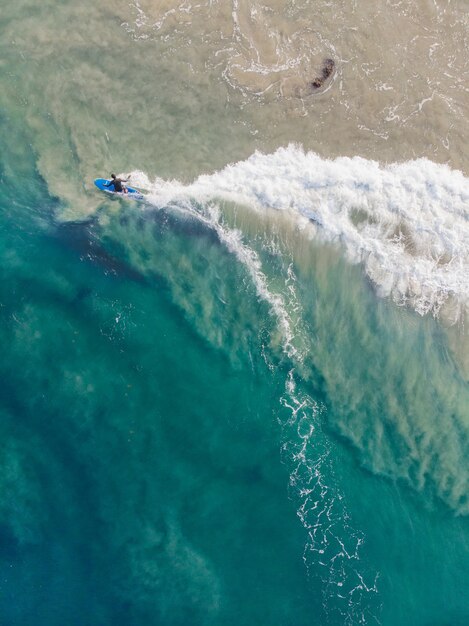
x,y
244,401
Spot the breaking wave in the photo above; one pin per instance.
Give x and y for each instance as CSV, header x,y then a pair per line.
x,y
406,223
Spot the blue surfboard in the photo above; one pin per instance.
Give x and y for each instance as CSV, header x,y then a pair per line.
x,y
131,193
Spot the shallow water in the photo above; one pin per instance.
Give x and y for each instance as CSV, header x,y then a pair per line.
x,y
245,400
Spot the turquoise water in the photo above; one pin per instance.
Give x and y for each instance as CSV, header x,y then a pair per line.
x,y
244,401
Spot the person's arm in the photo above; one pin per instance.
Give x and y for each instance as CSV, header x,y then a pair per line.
x,y
111,182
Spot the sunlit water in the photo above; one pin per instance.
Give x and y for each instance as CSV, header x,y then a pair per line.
x,y
244,400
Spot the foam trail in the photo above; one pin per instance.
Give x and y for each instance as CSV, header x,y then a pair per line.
x,y
232,238
174,194
333,546
408,223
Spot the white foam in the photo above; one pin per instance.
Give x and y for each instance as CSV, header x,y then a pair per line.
x,y
172,193
332,542
407,223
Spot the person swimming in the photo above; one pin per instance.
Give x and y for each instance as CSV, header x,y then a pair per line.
x,y
118,183
327,69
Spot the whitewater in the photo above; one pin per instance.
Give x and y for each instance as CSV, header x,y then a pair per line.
x,y
406,223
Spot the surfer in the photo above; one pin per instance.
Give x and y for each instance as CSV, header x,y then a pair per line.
x,y
118,183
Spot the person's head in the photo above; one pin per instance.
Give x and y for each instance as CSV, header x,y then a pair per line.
x,y
113,176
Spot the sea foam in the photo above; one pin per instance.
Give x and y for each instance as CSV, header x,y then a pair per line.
x,y
406,223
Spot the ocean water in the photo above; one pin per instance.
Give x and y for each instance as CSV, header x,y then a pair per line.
x,y
246,399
